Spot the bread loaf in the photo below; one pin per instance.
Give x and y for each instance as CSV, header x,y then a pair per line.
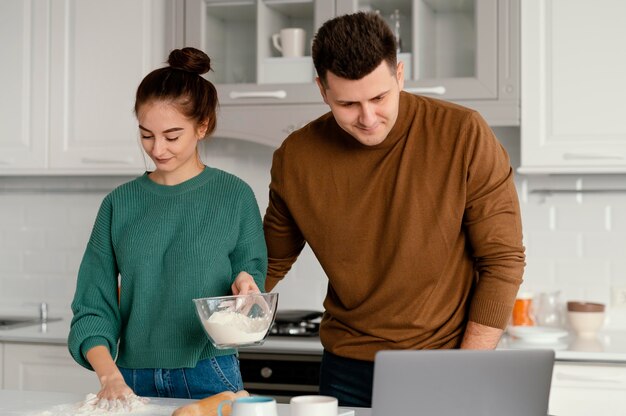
x,y
208,405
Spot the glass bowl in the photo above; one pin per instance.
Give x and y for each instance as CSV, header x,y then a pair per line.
x,y
237,320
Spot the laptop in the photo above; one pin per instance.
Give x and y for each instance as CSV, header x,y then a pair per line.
x,y
462,382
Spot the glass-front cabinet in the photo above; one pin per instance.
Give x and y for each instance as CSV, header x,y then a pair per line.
x,y
460,50
449,47
239,36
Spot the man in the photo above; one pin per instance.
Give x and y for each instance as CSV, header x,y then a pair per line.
x,y
408,204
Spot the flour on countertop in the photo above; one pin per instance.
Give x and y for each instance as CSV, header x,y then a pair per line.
x,y
92,406
229,328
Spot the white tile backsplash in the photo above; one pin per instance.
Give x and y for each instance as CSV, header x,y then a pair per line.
x,y
550,245
574,216
576,243
23,237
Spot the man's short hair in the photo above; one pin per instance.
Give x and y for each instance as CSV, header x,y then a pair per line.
x,y
353,45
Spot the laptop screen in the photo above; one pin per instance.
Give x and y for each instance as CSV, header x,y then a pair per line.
x,y
462,382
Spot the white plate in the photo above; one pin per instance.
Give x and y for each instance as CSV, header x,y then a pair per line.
x,y
537,333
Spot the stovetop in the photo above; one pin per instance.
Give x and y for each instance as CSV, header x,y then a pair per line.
x,y
296,323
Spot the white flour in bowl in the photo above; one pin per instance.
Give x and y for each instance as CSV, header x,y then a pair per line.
x,y
232,328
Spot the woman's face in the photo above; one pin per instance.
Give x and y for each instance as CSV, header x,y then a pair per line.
x,y
170,139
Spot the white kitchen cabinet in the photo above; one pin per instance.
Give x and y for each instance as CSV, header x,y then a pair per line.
x,y
45,367
272,123
237,37
1,366
455,48
23,32
465,51
100,53
72,78
573,86
583,389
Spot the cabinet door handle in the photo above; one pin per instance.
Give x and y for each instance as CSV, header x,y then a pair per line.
x,y
96,161
440,90
592,379
280,94
588,156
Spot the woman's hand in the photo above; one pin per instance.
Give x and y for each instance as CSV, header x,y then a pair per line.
x,y
113,387
100,403
244,283
114,392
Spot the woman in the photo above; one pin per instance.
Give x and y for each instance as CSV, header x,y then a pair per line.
x,y
180,232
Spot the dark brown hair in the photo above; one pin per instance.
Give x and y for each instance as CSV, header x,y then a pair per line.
x,y
181,84
353,45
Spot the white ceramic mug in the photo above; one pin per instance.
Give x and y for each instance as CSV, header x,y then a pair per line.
x,y
316,406
290,41
250,406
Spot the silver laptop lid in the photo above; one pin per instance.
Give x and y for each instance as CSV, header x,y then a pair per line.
x,y
462,382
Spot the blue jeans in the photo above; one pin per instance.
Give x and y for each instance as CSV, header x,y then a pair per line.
x,y
347,379
209,377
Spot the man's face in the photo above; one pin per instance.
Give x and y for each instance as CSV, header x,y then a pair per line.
x,y
366,108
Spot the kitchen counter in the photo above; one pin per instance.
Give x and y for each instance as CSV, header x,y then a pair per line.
x,y
608,346
54,332
31,403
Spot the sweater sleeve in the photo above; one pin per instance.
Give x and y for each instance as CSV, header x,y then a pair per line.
x,y
96,318
282,235
493,223
250,253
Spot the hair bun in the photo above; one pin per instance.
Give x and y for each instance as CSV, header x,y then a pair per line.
x,y
190,60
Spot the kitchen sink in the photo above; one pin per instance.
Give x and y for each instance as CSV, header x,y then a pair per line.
x,y
11,322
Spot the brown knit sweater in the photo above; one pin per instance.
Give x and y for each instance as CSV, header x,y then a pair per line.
x,y
417,235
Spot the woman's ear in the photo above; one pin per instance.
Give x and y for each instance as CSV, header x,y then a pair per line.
x,y
201,129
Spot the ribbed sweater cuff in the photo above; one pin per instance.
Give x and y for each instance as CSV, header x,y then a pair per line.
x,y
490,313
91,342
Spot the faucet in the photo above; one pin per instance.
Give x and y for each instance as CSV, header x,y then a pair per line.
x,y
43,312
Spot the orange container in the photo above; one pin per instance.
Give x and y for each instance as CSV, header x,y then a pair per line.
x,y
522,312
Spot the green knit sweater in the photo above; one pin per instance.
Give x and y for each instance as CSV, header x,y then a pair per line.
x,y
169,245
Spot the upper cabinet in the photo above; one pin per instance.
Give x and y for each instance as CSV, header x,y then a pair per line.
x,y
238,36
465,51
449,47
573,86
23,32
71,68
100,53
71,82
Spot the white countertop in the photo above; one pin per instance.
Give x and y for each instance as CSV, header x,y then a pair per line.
x,y
608,346
31,403
54,332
